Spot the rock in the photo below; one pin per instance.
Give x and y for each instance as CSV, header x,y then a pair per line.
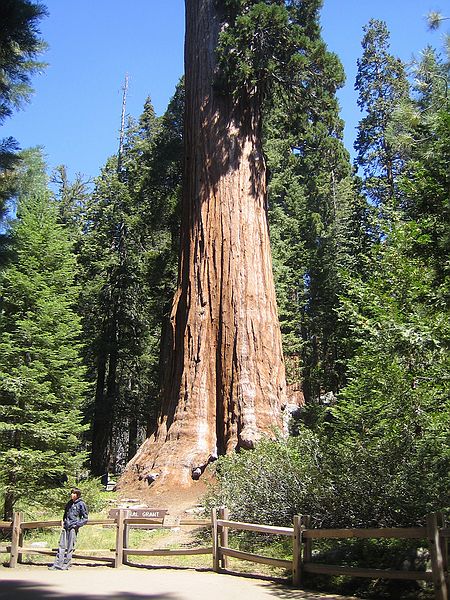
x,y
327,399
196,510
151,477
39,544
196,473
128,505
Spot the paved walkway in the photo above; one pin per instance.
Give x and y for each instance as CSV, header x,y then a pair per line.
x,y
99,583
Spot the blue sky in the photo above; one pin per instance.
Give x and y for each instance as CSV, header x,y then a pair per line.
x,y
75,111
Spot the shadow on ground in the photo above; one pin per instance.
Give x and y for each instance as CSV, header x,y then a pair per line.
x,y
20,589
281,588
290,593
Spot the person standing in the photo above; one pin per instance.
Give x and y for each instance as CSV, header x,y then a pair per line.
x,y
75,516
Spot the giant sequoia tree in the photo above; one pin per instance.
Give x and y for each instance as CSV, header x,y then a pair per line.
x,y
224,381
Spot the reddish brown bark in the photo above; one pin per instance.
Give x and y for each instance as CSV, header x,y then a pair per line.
x,y
225,382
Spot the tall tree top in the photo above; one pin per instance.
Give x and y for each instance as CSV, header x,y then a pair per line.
x,y
274,44
20,44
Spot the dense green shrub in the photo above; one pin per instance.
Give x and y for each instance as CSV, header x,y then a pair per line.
x,y
274,482
392,474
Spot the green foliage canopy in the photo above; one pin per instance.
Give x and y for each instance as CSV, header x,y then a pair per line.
x,y
20,45
42,383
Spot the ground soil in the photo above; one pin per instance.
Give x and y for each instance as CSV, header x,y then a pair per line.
x,y
169,495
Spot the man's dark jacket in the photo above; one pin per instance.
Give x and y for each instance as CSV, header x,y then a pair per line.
x,y
75,514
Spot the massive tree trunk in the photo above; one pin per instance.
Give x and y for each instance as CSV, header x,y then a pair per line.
x,y
225,380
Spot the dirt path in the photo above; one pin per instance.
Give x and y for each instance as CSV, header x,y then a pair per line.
x,y
128,583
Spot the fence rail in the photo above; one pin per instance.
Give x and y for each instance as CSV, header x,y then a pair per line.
x,y
117,555
398,533
363,572
436,534
255,527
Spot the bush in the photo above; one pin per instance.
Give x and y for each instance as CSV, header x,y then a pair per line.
x,y
50,505
391,475
273,482
92,493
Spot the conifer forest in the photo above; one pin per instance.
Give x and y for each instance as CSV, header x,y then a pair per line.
x,y
234,294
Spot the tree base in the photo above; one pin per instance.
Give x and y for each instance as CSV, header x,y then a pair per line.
x,y
165,466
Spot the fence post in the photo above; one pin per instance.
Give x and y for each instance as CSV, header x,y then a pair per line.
x,y
15,537
224,514
307,555
297,551
444,543
437,564
118,562
126,538
215,540
20,555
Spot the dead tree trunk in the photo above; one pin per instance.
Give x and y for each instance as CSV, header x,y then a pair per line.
x,y
225,383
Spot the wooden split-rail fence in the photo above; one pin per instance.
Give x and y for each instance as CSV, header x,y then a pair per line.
x,y
436,535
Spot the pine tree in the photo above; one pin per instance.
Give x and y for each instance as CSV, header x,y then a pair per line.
x,y
128,251
310,197
20,44
159,200
41,377
72,197
381,84
425,184
391,424
107,304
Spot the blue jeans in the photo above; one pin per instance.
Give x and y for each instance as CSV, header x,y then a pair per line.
x,y
66,547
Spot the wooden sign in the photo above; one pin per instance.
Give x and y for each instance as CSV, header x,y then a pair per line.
x,y
140,513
